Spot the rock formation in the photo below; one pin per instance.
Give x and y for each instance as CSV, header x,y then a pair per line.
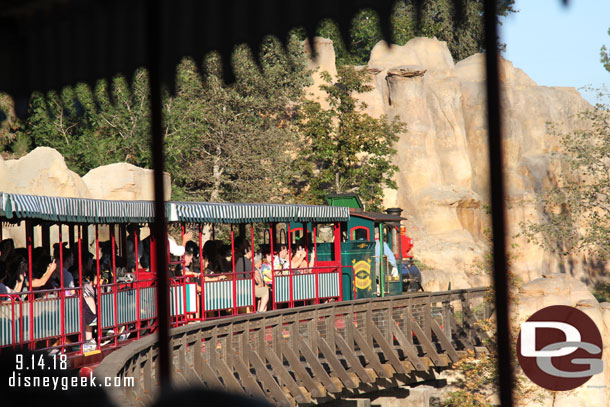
x,y
122,181
44,172
442,157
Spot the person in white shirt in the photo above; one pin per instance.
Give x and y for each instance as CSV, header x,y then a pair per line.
x,y
178,250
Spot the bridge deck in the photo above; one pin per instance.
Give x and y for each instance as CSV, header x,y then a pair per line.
x,y
311,354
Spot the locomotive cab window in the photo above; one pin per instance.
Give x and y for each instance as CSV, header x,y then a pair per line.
x,y
360,233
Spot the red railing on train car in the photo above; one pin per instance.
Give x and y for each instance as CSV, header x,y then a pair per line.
x,y
127,310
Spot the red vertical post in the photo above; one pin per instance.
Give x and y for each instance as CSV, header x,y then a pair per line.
x,y
316,271
289,237
140,284
254,268
82,337
338,257
99,286
184,273
201,273
21,327
29,236
62,293
136,241
115,284
306,240
234,273
13,322
271,236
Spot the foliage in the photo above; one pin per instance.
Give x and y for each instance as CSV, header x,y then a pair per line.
x,y
222,142
237,137
605,56
577,209
345,149
439,18
11,137
94,127
422,266
601,292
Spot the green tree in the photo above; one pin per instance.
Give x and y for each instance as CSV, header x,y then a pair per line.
x,y
577,209
605,56
94,127
12,140
439,18
240,135
222,142
345,149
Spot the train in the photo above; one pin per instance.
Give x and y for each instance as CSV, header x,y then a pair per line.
x,y
350,254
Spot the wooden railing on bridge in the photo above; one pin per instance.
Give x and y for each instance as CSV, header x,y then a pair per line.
x,y
310,354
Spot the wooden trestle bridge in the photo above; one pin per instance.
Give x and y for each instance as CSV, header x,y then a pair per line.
x,y
312,354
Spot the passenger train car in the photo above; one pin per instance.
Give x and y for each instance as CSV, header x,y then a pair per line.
x,y
100,236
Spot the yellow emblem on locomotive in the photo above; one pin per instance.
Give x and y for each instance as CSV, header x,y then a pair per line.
x,y
362,274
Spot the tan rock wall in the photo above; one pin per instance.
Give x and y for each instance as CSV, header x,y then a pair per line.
x,y
443,178
44,172
123,181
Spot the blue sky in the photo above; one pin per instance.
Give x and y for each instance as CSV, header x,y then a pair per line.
x,y
557,45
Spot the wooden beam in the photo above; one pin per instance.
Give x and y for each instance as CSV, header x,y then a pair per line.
x,y
370,354
409,349
284,377
426,343
269,382
353,361
315,365
387,350
445,343
314,387
331,357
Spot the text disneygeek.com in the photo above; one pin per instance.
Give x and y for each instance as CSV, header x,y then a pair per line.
x,y
67,382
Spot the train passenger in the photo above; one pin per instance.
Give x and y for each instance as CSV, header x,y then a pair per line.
x,y
178,250
191,252
299,258
7,247
130,255
243,262
89,308
43,268
16,270
262,279
207,271
68,261
280,260
265,265
4,290
215,252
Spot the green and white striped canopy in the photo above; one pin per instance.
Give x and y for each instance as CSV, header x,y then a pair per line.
x,y
60,209
199,212
83,210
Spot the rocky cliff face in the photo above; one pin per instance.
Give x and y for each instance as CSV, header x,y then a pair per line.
x,y
44,172
443,178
